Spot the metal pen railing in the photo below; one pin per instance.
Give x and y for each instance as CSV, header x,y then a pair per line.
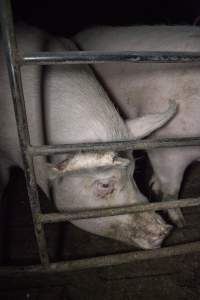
x,y
14,62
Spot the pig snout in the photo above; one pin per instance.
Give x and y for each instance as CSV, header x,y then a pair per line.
x,y
151,231
155,240
145,230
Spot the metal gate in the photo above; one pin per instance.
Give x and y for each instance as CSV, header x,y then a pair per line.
x,y
14,62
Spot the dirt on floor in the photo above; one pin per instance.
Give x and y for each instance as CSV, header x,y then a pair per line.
x,y
176,278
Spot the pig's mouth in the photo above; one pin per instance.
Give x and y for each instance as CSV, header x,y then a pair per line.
x,y
147,240
157,242
149,244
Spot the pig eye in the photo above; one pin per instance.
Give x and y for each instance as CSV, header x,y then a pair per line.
x,y
104,187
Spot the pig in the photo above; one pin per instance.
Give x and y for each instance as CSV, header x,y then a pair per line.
x,y
67,104
141,88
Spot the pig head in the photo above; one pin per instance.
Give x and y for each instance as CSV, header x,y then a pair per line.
x,y
101,180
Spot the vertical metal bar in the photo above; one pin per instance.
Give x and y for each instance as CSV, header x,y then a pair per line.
x,y
10,47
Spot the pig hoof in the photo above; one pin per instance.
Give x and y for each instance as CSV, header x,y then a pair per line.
x,y
154,184
177,217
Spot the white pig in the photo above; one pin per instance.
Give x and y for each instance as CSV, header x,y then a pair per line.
x,y
141,88
66,104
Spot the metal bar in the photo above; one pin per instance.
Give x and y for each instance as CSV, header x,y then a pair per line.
x,y
114,211
117,146
91,57
10,47
102,261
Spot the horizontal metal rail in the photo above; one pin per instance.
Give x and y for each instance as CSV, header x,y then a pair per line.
x,y
102,261
113,211
90,57
117,146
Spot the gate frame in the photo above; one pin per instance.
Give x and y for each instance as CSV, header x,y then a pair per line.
x,y
15,60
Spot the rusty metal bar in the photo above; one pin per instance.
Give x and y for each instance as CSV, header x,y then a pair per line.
x,y
91,57
102,261
113,211
10,48
117,146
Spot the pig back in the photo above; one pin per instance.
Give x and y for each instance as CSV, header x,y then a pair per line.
x,y
146,87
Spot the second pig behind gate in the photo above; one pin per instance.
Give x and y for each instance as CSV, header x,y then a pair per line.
x,y
75,108
139,88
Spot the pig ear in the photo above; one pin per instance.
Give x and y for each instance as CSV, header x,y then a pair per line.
x,y
145,125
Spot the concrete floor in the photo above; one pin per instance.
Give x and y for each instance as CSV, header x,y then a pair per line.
x,y
174,278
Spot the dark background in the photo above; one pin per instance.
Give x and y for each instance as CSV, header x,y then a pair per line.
x,y
68,17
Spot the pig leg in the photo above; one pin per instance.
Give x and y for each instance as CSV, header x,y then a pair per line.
x,y
157,187
155,184
175,214
169,166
